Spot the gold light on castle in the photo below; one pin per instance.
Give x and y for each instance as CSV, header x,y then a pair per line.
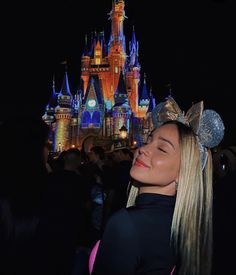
x,y
123,132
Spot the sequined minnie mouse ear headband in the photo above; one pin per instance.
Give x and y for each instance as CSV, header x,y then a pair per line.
x,y
207,125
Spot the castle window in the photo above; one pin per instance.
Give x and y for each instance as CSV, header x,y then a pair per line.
x,y
96,119
86,120
97,57
97,61
116,69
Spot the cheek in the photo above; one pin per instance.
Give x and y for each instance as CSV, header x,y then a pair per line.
x,y
165,170
160,164
166,163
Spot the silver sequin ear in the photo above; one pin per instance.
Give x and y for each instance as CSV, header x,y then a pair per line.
x,y
211,129
203,154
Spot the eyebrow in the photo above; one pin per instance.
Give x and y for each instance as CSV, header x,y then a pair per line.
x,y
168,141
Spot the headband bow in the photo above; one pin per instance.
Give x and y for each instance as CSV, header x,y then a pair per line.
x,y
207,125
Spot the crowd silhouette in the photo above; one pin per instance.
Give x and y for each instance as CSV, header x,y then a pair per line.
x,y
53,209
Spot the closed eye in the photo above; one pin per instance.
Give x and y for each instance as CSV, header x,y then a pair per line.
x,y
159,148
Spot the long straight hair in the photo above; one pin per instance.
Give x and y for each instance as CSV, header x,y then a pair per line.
x,y
191,231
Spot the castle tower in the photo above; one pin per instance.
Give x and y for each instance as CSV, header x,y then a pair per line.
x,y
50,108
49,117
75,121
121,111
144,100
133,74
63,113
95,62
117,54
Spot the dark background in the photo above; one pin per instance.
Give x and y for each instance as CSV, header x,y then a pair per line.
x,y
188,45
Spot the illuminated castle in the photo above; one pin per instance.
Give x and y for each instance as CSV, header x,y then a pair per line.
x,y
110,95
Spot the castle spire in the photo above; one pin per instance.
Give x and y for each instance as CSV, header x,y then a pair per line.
x,y
133,49
133,39
152,103
144,95
93,42
86,50
121,94
103,43
53,98
65,88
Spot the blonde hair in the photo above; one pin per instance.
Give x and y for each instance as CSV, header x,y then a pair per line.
x,y
133,193
191,231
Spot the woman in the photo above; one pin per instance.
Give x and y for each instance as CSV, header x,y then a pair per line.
x,y
168,228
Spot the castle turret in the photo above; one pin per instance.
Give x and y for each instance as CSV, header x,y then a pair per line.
x,y
144,100
98,53
121,95
117,54
117,16
121,111
49,116
133,50
50,108
133,74
103,44
63,113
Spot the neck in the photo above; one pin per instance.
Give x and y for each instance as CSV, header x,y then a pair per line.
x,y
169,190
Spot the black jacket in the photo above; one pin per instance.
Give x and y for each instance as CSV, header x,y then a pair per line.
x,y
137,239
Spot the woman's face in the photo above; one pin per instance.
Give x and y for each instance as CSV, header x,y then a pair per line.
x,y
158,162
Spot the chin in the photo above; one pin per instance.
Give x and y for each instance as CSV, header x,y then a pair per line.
x,y
138,175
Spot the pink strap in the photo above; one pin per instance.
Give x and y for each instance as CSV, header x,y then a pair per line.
x,y
92,256
173,270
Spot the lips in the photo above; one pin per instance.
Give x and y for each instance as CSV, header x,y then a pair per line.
x,y
140,163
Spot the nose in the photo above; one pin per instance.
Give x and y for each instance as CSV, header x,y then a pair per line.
x,y
144,150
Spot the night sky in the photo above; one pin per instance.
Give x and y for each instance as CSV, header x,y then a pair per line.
x,y
190,46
